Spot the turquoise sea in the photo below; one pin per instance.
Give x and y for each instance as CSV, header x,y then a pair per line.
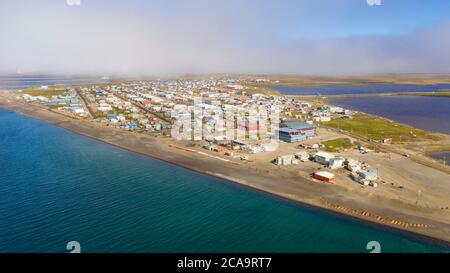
x,y
57,186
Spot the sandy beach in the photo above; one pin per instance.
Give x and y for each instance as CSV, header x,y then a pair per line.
x,y
388,207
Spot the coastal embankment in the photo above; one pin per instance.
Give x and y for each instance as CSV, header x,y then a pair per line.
x,y
432,222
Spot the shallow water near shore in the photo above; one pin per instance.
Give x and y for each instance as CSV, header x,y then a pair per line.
x,y
57,186
444,156
16,82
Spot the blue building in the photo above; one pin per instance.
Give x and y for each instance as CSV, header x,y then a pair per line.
x,y
295,131
111,116
74,101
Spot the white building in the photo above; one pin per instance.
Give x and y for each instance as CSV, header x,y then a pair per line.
x,y
323,158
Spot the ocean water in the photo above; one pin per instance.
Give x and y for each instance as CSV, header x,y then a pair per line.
x,y
16,82
371,88
57,186
429,113
444,156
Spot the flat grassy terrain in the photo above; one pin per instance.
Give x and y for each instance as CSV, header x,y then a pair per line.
x,y
55,90
441,93
297,80
338,144
266,90
51,91
377,128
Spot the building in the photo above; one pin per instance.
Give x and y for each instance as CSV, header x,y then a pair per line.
x,y
302,156
353,165
370,175
366,178
74,102
322,118
286,160
111,117
323,158
325,176
336,163
77,109
290,135
295,131
268,147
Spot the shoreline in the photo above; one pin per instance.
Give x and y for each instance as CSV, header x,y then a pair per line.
x,y
429,150
242,184
211,168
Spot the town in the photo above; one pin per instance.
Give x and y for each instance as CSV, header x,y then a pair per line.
x,y
301,144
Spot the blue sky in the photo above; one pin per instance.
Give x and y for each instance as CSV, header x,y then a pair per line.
x,y
304,18
245,36
354,17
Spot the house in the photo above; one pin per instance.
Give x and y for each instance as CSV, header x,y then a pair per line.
x,y
322,118
369,175
104,107
352,165
323,158
268,147
111,117
77,110
309,145
325,176
286,160
149,102
28,97
336,163
302,156
358,178
74,102
42,99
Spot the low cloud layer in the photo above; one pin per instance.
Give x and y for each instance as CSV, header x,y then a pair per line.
x,y
52,37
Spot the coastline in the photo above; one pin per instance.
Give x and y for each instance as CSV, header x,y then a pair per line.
x,y
295,189
430,149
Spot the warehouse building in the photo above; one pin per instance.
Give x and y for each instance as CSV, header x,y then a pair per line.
x,y
325,176
295,131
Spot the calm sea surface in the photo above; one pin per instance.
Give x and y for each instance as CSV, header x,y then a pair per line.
x,y
429,113
371,88
57,186
24,81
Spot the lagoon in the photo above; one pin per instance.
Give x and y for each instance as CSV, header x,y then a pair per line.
x,y
428,113
370,88
17,82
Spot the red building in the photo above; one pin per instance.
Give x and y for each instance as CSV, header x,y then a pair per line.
x,y
325,176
